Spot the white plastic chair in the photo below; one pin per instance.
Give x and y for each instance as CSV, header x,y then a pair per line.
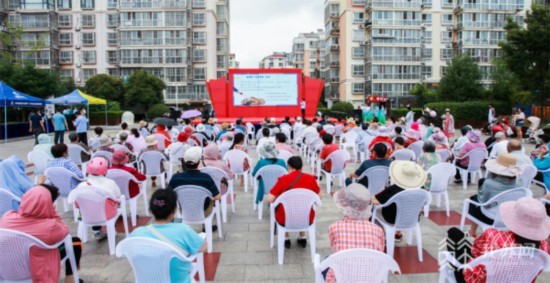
x,y
338,129
125,149
440,175
161,139
516,264
150,163
250,130
150,259
297,204
105,154
15,264
378,177
269,175
284,155
529,172
91,205
235,159
356,265
403,154
174,156
475,161
409,204
218,175
61,178
490,207
365,153
40,160
297,130
444,154
201,138
304,145
75,155
8,201
416,147
349,142
338,161
191,202
122,179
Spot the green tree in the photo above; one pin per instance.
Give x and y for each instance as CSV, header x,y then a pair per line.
x,y
157,110
8,41
106,86
28,79
461,80
527,53
423,94
504,82
144,89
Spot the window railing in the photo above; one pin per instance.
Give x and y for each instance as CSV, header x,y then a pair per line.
x,y
392,4
143,23
492,6
152,4
376,58
141,41
396,22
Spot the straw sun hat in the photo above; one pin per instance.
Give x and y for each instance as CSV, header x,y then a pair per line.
x,y
407,174
268,150
504,165
353,201
151,140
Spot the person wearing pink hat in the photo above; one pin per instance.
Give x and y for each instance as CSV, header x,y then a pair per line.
x,y
119,161
383,137
97,169
528,225
411,137
474,142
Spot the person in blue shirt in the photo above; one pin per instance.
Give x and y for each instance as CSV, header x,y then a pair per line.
x,y
542,162
59,126
268,154
81,125
380,159
163,205
13,177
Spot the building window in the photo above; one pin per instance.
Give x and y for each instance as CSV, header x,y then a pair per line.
x,y
221,45
446,54
64,4
88,38
175,19
357,52
65,57
174,75
358,88
198,4
427,53
220,28
199,74
88,57
358,35
65,39
111,38
66,74
199,55
88,21
221,61
112,56
87,4
112,20
65,21
112,4
176,56
358,17
358,70
426,72
87,74
199,19
199,37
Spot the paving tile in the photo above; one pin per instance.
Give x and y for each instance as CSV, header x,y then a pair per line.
x,y
249,235
269,272
230,246
230,273
247,258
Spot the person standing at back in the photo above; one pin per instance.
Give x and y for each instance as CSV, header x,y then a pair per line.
x,y
59,126
81,125
303,108
36,125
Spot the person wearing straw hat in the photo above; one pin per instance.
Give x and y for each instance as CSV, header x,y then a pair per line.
x,y
354,230
104,143
268,156
151,142
528,225
474,142
405,175
503,172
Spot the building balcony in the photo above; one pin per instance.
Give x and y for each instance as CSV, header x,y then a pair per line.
x,y
144,23
412,5
158,4
486,7
335,64
481,25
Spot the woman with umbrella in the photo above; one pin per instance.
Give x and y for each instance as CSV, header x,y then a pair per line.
x,y
162,123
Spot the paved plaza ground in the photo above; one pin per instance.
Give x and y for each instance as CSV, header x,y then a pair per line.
x,y
244,255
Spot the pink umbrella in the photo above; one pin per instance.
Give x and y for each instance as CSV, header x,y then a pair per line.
x,y
190,114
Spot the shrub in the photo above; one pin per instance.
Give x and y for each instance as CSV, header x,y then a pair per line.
x,y
402,112
157,110
324,111
471,110
341,109
98,118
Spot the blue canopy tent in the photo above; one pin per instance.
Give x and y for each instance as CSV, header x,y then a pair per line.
x,y
79,97
10,97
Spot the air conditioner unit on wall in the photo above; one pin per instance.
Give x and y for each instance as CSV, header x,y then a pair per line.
x,y
77,46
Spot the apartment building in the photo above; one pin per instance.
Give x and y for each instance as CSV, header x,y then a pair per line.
x,y
183,42
384,48
277,60
308,53
233,63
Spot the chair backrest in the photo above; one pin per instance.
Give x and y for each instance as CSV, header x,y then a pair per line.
x,y
440,175
74,153
191,201
117,146
270,174
103,153
338,160
216,174
350,137
91,204
94,143
151,160
250,128
444,154
122,179
61,178
330,130
160,141
176,153
150,258
529,173
235,159
378,177
297,131
403,154
409,204
476,158
308,136
7,201
360,265
297,204
338,130
15,254
517,264
201,138
284,155
192,142
490,208
40,160
416,147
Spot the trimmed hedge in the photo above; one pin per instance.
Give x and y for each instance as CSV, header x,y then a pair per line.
x,y
402,112
157,110
113,117
471,110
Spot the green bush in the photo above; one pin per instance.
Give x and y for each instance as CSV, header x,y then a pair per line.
x,y
157,110
325,111
344,107
402,112
471,110
113,117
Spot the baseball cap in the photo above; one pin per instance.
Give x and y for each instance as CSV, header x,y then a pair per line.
x,y
193,154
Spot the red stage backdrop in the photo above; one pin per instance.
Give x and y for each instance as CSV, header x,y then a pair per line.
x,y
257,93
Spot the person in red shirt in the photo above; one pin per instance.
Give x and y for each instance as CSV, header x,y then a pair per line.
x,y
327,149
118,161
294,179
383,137
162,130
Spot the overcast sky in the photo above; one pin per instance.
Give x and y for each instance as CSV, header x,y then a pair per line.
x,y
259,27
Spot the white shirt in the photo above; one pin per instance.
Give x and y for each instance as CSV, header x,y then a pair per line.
x,y
409,118
303,104
264,140
522,158
491,115
460,142
498,148
106,187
